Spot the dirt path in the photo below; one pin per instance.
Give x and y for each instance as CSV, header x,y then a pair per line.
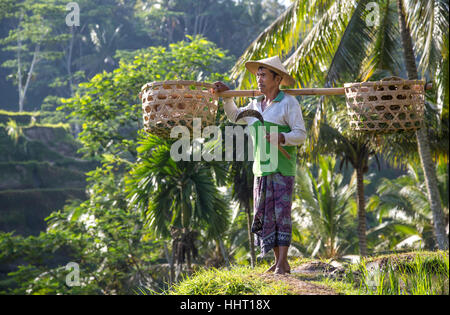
x,y
300,287
301,280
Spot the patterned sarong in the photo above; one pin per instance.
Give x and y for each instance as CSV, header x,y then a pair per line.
x,y
272,199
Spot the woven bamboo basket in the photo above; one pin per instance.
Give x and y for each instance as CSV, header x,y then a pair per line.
x,y
389,105
167,104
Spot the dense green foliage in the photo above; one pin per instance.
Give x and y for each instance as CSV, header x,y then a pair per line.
x,y
103,234
53,57
108,104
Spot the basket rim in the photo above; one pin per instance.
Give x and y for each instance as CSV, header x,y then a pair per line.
x,y
384,82
182,82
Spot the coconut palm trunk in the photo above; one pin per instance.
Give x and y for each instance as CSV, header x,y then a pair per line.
x,y
243,193
422,140
361,203
250,234
170,263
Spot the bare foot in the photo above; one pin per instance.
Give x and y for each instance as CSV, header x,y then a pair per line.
x,y
287,268
271,269
282,270
279,271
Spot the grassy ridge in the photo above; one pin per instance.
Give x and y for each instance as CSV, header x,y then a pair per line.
x,y
235,281
21,118
415,273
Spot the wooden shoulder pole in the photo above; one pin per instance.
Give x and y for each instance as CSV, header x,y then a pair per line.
x,y
312,91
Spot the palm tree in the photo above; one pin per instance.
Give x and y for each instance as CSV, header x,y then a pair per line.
x,y
242,175
177,199
326,199
353,149
402,207
422,139
14,130
104,39
329,42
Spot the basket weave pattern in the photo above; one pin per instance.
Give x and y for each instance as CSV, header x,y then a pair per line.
x,y
170,103
389,105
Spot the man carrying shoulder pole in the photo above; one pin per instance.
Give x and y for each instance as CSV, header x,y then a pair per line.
x,y
273,187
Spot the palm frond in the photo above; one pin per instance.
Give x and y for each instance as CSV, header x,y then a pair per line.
x,y
317,21
385,53
160,210
325,200
210,208
311,59
351,52
429,24
277,39
428,21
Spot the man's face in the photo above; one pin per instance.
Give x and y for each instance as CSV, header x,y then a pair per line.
x,y
266,80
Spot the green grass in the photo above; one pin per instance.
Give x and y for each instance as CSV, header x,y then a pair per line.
x,y
238,280
422,273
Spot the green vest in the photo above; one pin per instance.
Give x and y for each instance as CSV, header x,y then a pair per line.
x,y
267,159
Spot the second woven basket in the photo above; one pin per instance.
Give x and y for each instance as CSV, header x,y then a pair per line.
x,y
389,105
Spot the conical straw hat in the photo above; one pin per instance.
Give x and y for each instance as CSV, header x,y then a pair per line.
x,y
272,63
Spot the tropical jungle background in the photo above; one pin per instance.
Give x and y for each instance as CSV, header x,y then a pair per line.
x,y
80,182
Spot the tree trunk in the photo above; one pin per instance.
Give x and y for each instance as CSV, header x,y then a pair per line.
x,y
361,203
188,261
69,60
19,66
23,88
224,253
30,74
422,140
170,262
19,74
250,234
175,273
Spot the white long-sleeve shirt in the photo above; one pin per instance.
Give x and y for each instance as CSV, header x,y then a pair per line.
x,y
284,110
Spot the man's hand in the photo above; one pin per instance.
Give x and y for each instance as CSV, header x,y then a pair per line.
x,y
219,87
272,137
